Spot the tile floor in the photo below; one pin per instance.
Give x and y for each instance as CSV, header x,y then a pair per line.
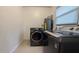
x,y
26,48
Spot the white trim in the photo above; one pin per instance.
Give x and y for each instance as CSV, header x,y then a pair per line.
x,y
15,47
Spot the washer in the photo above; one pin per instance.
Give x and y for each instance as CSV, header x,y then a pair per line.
x,y
38,37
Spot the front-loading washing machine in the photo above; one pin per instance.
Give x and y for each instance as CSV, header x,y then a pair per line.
x,y
38,37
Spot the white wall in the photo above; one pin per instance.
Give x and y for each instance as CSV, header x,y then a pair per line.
x,y
34,17
11,27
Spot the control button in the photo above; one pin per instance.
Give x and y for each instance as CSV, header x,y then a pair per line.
x,y
71,28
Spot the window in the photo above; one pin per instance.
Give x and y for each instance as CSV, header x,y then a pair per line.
x,y
67,15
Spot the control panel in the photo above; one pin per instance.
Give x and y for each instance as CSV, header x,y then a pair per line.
x,y
74,28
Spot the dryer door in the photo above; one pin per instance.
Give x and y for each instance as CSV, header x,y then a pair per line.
x,y
37,36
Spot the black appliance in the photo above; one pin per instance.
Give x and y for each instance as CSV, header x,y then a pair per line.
x,y
53,45
37,37
68,42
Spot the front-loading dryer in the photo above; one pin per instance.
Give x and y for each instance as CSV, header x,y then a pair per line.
x,y
38,37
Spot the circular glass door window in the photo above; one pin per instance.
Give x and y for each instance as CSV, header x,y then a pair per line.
x,y
37,36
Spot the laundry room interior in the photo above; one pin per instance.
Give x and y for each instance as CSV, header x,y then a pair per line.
x,y
34,17
39,29
16,22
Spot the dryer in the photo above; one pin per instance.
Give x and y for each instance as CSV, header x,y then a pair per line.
x,y
38,37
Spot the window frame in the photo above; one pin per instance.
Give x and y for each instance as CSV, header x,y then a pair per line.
x,y
76,9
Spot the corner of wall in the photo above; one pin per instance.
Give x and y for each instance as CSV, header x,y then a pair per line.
x,y
16,46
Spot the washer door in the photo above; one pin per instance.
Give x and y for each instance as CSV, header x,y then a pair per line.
x,y
37,36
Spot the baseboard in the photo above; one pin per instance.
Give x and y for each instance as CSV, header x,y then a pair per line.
x,y
12,51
